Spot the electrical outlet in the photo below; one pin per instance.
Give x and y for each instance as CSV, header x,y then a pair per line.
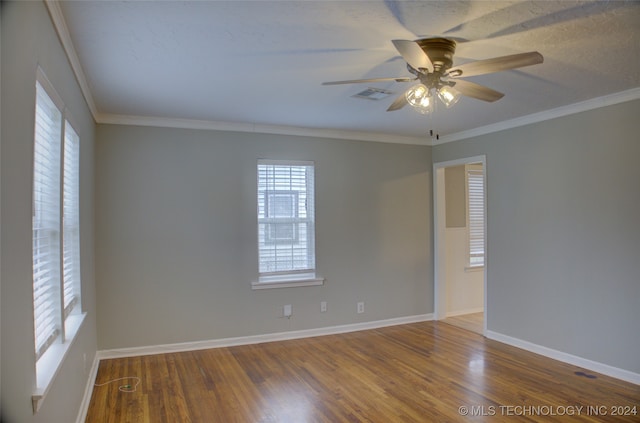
x,y
287,310
360,307
323,307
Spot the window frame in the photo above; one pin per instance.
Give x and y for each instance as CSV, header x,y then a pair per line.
x,y
292,276
70,246
46,219
48,359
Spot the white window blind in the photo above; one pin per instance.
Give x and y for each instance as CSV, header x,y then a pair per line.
x,y
56,220
475,213
286,229
71,219
46,221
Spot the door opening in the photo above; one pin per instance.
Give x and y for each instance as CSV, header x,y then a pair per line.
x,y
460,265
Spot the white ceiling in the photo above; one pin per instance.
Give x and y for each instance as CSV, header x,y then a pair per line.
x,y
262,63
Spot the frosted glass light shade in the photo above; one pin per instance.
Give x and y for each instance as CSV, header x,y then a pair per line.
x,y
448,95
420,98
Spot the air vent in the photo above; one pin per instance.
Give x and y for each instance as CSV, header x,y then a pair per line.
x,y
373,94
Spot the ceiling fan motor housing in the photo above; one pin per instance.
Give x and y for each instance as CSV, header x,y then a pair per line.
x,y
430,60
440,51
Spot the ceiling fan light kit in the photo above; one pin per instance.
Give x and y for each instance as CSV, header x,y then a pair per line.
x,y
430,61
419,96
449,95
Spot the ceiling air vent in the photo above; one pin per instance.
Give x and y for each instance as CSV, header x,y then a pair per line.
x,y
373,94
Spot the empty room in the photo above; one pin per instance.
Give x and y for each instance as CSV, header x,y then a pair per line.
x,y
319,211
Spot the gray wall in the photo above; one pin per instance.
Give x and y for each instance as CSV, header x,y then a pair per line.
x,y
176,246
175,230
28,38
563,233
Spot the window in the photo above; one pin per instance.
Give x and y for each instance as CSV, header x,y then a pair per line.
x,y
55,234
71,219
281,205
475,214
286,225
46,221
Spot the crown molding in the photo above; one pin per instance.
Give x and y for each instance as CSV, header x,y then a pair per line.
x,y
258,128
57,17
594,103
591,104
60,25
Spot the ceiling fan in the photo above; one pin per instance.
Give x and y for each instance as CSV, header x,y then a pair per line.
x,y
430,60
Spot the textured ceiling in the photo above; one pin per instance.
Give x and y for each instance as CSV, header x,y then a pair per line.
x,y
263,62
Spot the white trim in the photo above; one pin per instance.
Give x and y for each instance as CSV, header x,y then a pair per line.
x,y
57,17
583,106
51,362
594,103
595,366
44,82
211,125
229,342
278,162
463,312
258,339
88,391
439,243
283,283
462,161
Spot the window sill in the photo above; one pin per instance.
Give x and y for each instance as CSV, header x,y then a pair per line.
x,y
51,361
287,282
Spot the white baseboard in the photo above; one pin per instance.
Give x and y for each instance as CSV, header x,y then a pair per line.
x,y
595,366
332,330
258,339
461,312
229,342
88,390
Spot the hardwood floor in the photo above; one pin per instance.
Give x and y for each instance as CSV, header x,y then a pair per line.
x,y
473,322
422,372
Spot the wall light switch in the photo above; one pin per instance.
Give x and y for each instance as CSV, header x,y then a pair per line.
x,y
323,307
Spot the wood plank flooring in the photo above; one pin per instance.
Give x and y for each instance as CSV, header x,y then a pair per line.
x,y
472,321
422,372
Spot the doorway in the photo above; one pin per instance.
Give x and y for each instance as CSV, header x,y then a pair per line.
x,y
460,265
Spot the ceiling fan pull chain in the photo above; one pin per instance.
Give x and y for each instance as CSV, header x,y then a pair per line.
x,y
432,118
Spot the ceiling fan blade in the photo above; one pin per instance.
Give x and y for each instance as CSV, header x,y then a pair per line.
x,y
480,92
497,64
398,103
359,81
413,54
